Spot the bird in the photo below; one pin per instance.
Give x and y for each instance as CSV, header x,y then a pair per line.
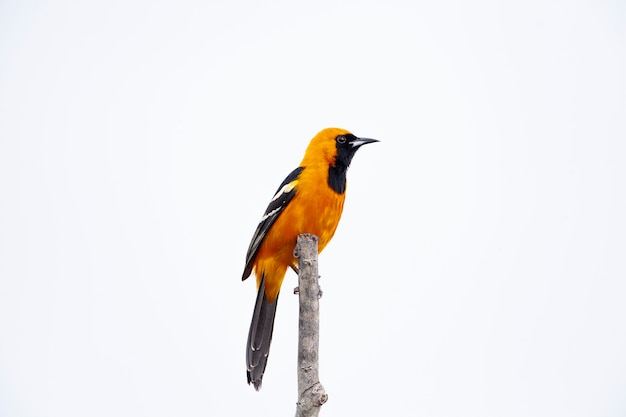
x,y
309,200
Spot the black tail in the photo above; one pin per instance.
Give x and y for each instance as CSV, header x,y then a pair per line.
x,y
260,336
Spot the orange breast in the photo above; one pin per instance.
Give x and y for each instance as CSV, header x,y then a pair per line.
x,y
315,209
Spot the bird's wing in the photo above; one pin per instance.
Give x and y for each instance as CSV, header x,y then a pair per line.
x,y
285,193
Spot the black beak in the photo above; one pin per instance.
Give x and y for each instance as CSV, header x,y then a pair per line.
x,y
362,141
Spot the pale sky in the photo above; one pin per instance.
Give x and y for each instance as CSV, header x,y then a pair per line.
x,y
479,268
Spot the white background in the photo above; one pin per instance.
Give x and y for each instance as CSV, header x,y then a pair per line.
x,y
479,269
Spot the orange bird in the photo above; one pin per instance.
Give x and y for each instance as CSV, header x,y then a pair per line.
x,y
309,200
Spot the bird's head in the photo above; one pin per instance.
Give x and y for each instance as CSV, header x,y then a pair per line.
x,y
333,146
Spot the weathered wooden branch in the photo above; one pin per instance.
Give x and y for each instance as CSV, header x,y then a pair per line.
x,y
311,394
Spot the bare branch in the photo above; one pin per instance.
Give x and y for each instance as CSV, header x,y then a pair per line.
x,y
311,394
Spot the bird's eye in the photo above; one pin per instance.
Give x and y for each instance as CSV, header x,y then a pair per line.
x,y
341,139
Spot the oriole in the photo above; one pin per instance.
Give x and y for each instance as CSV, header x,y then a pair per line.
x,y
309,200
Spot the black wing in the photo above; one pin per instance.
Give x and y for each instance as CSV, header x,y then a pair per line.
x,y
283,196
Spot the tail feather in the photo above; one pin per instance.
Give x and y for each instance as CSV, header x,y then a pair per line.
x,y
260,336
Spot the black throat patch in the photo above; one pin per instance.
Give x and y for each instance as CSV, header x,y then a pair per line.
x,y
337,178
337,172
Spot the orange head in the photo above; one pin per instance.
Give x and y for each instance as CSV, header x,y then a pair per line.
x,y
333,146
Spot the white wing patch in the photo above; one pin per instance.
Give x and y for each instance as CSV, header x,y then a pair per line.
x,y
285,190
271,213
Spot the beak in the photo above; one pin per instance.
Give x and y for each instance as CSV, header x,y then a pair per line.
x,y
362,141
